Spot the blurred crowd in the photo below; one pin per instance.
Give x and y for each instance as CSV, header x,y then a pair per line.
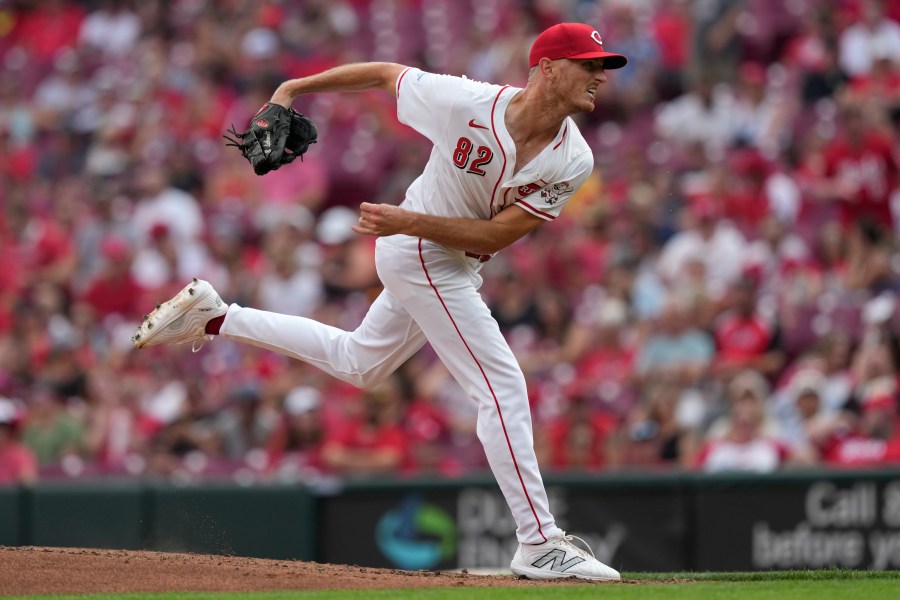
x,y
719,296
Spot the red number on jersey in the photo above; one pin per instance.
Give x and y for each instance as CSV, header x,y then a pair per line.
x,y
484,157
463,151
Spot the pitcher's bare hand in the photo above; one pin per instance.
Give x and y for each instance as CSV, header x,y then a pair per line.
x,y
382,219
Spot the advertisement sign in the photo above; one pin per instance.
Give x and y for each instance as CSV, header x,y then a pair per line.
x,y
471,527
403,528
806,525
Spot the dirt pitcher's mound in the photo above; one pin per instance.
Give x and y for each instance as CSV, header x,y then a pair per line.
x,y
33,570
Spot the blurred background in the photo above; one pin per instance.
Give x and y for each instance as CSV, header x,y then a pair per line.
x,y
720,296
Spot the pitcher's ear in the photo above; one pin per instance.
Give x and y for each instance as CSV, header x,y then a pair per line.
x,y
545,66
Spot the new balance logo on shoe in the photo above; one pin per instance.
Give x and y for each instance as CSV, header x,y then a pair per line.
x,y
557,560
549,561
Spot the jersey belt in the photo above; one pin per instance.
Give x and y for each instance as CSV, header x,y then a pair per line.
x,y
481,257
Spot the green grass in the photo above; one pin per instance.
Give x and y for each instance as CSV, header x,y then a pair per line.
x,y
835,584
820,575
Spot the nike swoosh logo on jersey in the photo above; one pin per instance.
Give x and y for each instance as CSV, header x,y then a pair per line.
x,y
472,123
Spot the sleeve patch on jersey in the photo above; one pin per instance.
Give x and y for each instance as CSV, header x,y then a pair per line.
x,y
526,190
552,193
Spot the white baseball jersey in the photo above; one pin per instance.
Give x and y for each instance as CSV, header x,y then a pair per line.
x,y
470,171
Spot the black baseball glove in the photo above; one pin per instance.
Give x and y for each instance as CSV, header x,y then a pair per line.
x,y
277,136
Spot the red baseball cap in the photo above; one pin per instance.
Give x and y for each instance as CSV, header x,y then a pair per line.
x,y
573,40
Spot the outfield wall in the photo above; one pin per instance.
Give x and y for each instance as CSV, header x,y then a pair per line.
x,y
671,522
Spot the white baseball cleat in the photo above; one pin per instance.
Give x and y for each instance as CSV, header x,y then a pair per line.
x,y
559,558
183,318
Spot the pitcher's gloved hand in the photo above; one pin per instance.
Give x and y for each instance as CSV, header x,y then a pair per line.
x,y
277,136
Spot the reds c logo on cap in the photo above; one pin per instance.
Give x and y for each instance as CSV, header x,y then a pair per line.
x,y
576,41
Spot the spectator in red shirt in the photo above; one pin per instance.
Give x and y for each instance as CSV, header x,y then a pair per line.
x,y
596,345
33,247
671,25
577,439
872,439
114,291
808,48
745,339
17,463
429,436
860,171
48,28
371,441
880,88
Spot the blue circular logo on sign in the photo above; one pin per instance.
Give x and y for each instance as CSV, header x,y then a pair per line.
x,y
416,536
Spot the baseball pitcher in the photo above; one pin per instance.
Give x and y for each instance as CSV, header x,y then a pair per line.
x,y
504,161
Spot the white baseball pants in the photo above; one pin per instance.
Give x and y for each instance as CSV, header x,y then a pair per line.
x,y
431,293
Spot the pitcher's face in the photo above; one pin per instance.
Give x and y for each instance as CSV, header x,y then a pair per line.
x,y
579,81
